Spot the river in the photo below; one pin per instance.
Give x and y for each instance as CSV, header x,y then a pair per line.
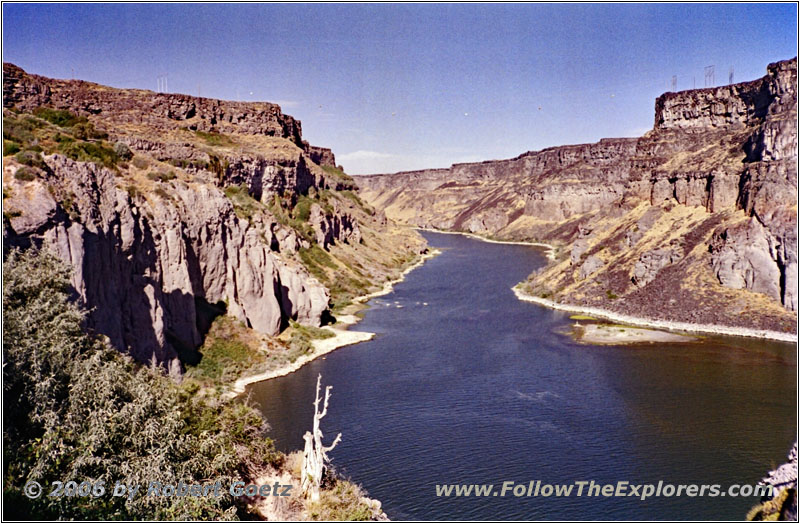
x,y
479,387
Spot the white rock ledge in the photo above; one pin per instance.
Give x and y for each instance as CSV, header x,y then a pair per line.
x,y
658,324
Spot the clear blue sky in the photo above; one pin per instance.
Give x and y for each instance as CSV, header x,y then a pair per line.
x,y
405,86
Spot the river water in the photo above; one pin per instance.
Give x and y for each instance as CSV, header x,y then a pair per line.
x,y
479,387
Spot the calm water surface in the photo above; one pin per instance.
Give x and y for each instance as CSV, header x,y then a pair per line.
x,y
479,387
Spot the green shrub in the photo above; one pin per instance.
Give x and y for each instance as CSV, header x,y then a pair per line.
x,y
345,179
611,295
341,502
30,158
76,409
21,129
244,205
226,353
215,139
317,256
24,174
59,117
98,153
301,341
10,147
86,130
302,210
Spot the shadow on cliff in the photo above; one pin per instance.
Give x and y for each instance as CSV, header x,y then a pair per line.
x,y
125,292
205,314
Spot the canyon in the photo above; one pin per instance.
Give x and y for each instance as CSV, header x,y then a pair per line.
x,y
693,222
172,210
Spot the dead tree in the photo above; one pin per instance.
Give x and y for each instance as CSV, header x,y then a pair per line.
x,y
315,455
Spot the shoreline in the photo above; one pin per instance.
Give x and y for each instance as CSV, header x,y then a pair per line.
x,y
687,327
551,249
341,335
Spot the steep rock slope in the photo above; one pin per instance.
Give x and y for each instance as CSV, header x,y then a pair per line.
x,y
172,209
695,221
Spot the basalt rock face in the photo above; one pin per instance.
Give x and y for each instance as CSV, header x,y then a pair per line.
x,y
265,177
735,105
332,227
163,111
321,155
144,266
191,220
158,110
716,176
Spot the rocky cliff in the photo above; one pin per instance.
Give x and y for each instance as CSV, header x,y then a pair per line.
x,y
698,212
173,208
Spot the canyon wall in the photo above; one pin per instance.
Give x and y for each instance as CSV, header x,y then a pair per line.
x,y
196,220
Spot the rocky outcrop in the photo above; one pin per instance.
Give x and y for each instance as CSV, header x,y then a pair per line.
x,y
653,261
266,177
734,105
749,256
781,504
642,226
334,226
144,264
590,265
155,110
320,155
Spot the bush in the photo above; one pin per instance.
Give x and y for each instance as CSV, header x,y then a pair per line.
x,y
357,201
302,210
217,166
24,174
98,153
342,502
76,409
83,130
30,158
244,205
141,162
226,353
20,130
59,117
10,147
215,139
122,150
346,180
161,177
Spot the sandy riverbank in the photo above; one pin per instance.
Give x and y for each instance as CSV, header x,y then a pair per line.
x,y
615,334
342,336
657,324
551,250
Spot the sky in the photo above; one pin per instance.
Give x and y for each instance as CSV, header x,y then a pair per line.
x,y
393,87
